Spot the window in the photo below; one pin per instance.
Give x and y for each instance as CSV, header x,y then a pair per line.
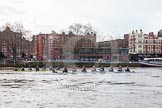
x,y
139,46
4,49
115,57
139,41
151,41
140,35
18,50
140,51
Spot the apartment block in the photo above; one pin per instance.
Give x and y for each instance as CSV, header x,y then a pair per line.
x,y
14,46
113,50
143,45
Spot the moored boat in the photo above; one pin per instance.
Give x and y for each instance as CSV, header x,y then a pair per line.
x,y
151,62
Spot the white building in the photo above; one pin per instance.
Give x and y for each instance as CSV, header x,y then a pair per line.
x,y
140,43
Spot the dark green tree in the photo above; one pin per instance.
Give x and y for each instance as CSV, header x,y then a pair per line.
x,y
2,56
23,55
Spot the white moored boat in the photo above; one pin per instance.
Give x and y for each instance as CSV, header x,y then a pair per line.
x,y
151,62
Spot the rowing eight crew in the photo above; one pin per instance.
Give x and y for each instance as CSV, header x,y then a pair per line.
x,y
65,70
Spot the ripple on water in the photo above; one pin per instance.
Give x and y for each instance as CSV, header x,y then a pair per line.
x,y
14,83
120,83
156,76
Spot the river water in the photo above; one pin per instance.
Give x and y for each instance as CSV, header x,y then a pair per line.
x,y
142,89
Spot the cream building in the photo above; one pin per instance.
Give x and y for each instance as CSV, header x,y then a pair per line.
x,y
140,43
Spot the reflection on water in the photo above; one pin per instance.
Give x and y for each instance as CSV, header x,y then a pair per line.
x,y
142,89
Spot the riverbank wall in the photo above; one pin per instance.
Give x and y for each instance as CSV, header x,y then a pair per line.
x,y
68,64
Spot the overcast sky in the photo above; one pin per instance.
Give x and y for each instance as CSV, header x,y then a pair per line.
x,y
108,17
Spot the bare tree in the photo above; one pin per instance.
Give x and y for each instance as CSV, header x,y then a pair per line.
x,y
76,28
89,29
2,55
18,28
13,36
81,29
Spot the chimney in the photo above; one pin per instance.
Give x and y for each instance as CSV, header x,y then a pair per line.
x,y
63,33
94,34
136,31
151,34
70,33
141,31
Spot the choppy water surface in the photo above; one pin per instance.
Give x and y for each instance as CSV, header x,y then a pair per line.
x,y
142,89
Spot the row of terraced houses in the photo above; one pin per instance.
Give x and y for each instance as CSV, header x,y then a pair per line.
x,y
68,46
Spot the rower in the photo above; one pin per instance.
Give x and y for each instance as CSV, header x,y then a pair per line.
x,y
127,69
30,68
50,68
37,68
102,68
111,69
65,70
58,68
120,68
53,70
73,69
83,69
93,69
16,69
22,69
44,67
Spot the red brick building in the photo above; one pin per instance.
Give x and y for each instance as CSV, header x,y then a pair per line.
x,y
40,46
14,46
72,47
63,46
